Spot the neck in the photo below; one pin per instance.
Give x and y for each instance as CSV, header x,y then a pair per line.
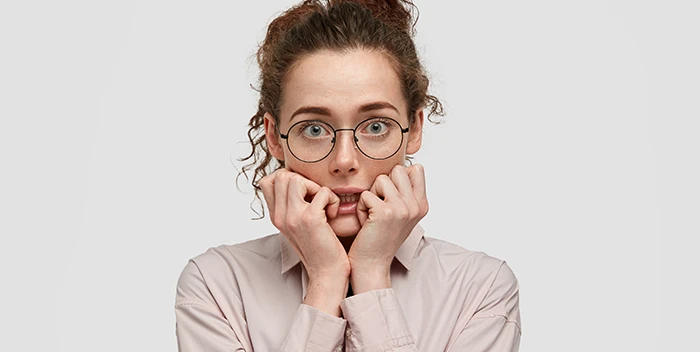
x,y
347,242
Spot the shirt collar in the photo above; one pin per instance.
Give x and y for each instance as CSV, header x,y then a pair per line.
x,y
404,255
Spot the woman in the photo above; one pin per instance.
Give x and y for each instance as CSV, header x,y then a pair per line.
x,y
342,105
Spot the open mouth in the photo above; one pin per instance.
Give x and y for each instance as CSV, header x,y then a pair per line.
x,y
349,198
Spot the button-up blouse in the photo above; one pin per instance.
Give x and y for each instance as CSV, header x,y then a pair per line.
x,y
248,297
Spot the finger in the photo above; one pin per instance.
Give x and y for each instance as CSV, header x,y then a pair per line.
x,y
298,190
399,176
325,201
373,189
281,185
311,188
385,189
368,200
267,186
416,174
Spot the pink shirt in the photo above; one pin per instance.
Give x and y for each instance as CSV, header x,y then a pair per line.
x,y
248,297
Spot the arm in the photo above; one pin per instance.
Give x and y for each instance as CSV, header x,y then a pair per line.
x,y
376,322
202,326
388,212
495,326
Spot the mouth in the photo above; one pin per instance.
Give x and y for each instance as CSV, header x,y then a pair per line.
x,y
349,198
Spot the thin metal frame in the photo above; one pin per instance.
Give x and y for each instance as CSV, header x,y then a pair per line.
x,y
354,137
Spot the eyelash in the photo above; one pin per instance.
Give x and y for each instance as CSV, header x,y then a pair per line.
x,y
380,119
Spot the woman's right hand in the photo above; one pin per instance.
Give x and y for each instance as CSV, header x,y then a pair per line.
x,y
300,209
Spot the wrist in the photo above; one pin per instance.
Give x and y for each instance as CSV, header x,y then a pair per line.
x,y
326,294
368,279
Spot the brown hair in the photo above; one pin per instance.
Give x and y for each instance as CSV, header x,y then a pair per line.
x,y
337,25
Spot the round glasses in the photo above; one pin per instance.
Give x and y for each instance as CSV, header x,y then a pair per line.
x,y
377,138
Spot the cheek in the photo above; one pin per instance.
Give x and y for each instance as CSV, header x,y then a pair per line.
x,y
384,167
312,171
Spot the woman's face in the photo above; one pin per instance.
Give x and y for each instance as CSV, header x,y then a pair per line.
x,y
343,89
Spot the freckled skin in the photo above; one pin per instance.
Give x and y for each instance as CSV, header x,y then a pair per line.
x,y
341,83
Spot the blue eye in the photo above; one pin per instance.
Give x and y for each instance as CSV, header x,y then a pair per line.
x,y
376,127
313,130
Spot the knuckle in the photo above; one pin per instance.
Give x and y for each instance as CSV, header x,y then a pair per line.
x,y
284,177
387,212
293,180
306,219
296,180
403,213
414,211
295,226
277,221
383,178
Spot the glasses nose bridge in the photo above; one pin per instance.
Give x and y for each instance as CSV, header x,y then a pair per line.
x,y
353,141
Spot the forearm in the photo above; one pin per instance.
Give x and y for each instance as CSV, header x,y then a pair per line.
x,y
375,321
325,294
370,278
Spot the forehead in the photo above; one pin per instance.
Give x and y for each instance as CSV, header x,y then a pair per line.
x,y
341,82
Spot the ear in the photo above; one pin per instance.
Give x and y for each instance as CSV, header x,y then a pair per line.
x,y
273,138
415,133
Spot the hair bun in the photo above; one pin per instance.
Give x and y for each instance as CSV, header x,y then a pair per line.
x,y
395,13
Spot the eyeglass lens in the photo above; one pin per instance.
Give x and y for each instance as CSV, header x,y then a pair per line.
x,y
377,138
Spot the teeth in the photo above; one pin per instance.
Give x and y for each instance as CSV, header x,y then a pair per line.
x,y
349,198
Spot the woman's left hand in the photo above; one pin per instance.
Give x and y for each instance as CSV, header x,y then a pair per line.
x,y
388,212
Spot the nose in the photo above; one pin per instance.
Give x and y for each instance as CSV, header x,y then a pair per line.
x,y
344,158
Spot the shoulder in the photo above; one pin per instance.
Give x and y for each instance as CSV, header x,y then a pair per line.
x,y
221,268
456,255
488,284
260,249
477,268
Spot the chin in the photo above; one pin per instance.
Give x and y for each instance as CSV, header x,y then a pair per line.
x,y
345,225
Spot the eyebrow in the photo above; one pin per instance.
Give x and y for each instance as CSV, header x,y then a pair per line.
x,y
317,110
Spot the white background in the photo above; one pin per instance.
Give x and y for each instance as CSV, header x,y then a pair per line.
x,y
569,149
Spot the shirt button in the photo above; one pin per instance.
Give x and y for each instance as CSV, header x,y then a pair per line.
x,y
348,332
339,348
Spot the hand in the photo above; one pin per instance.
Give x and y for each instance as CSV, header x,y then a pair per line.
x,y
388,212
300,209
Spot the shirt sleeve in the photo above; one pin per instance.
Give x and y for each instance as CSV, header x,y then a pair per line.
x,y
495,326
200,325
314,330
375,322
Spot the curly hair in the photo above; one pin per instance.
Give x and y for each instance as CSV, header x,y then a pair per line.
x,y
387,27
